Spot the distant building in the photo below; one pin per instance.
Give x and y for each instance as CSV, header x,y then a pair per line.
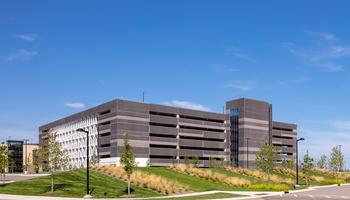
x,y
15,149
28,151
160,135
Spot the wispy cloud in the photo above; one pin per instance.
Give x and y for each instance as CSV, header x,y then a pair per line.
x,y
27,37
327,56
21,54
239,54
321,142
75,105
242,85
322,135
297,80
224,68
322,35
187,104
341,124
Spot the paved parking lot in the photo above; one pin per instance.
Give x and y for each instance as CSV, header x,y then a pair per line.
x,y
20,177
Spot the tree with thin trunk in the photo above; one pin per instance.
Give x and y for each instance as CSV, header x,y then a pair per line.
x,y
337,162
322,162
195,161
127,159
212,162
187,160
94,160
222,162
307,166
291,162
52,156
4,160
266,157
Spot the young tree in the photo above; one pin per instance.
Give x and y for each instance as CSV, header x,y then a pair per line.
x,y
53,157
94,160
195,161
173,160
4,160
266,157
222,162
36,161
307,166
291,162
212,162
322,162
187,160
127,159
336,162
284,163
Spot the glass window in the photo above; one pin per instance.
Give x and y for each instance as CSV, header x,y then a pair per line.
x,y
234,112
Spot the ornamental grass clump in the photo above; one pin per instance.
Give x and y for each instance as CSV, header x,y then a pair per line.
x,y
210,175
337,175
268,187
261,175
291,172
145,180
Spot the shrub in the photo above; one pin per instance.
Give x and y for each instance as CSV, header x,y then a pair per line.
x,y
264,186
289,172
145,180
210,175
334,181
317,178
261,175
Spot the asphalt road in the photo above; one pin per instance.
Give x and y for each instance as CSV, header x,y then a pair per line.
x,y
324,193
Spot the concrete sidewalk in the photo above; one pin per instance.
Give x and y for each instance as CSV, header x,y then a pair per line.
x,y
247,194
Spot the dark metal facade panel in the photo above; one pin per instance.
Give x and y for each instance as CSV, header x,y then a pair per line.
x,y
170,126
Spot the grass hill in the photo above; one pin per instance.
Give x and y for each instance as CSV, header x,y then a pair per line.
x,y
72,184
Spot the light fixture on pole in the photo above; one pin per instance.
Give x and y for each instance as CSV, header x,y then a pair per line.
x,y
297,160
87,163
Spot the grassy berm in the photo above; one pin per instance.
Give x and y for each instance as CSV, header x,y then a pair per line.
x,y
72,184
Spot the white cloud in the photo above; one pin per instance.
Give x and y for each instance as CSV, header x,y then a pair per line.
x,y
238,54
186,104
326,56
240,85
341,124
297,80
321,142
224,68
27,37
75,105
22,54
323,35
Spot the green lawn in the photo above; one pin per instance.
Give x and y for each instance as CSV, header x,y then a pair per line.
x,y
72,184
197,184
232,174
194,183
328,180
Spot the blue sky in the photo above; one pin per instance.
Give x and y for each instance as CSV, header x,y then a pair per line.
x,y
60,57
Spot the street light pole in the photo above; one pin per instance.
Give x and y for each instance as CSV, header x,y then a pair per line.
x,y
297,160
87,163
